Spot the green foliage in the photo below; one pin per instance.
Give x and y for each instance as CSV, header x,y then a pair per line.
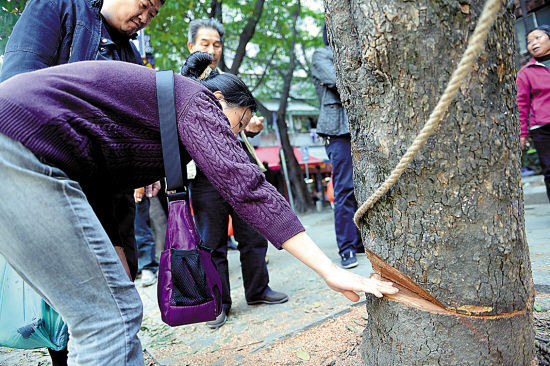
x,y
268,51
168,31
9,13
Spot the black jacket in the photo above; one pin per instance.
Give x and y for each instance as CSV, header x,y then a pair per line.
x,y
332,117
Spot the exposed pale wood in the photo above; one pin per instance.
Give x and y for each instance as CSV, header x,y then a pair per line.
x,y
392,274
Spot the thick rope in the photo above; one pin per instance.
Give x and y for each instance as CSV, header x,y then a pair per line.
x,y
488,16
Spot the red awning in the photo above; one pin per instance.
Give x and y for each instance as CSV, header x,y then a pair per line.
x,y
271,156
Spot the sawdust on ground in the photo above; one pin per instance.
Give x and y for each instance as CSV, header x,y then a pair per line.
x,y
335,342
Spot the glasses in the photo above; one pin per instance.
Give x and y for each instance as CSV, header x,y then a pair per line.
x,y
243,125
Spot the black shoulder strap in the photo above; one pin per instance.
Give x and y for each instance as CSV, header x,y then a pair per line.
x,y
169,133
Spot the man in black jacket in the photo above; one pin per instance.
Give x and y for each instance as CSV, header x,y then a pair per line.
x,y
212,212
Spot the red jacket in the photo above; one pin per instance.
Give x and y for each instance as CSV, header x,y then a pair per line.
x,y
533,84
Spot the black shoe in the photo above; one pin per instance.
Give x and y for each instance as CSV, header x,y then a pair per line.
x,y
348,259
270,297
219,321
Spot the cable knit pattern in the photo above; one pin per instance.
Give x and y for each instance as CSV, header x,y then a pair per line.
x,y
98,121
222,159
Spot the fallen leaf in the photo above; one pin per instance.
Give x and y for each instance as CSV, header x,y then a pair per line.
x,y
303,355
465,8
537,307
351,327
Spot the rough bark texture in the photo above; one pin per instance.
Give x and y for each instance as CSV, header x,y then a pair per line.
x,y
454,221
403,335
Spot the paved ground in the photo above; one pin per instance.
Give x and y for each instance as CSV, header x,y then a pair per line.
x,y
254,328
310,301
537,228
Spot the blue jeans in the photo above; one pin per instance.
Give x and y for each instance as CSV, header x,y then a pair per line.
x,y
52,238
345,205
144,238
541,140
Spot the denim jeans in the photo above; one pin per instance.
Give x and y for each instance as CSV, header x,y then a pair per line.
x,y
541,140
52,238
345,205
144,238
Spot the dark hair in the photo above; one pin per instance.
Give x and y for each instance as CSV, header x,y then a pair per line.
x,y
545,28
234,91
325,35
197,24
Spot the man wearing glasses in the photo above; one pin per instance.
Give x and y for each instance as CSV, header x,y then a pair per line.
x,y
212,212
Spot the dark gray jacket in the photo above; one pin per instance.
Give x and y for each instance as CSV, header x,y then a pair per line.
x,y
332,117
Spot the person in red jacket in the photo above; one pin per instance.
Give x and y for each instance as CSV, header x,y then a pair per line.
x,y
533,83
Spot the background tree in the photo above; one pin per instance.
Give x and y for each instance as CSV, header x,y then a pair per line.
x,y
451,231
266,43
303,199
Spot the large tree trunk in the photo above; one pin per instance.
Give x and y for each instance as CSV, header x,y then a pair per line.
x,y
452,229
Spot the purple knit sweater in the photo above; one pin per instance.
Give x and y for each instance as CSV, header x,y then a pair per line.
x,y
98,122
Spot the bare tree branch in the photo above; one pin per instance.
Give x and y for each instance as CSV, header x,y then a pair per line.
x,y
302,198
273,66
216,10
307,65
246,36
265,71
281,32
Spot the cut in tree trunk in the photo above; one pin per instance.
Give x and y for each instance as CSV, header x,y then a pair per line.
x,y
451,232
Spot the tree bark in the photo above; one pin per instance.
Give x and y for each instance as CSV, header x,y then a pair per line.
x,y
451,232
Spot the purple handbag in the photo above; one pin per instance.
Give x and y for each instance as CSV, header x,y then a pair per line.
x,y
189,287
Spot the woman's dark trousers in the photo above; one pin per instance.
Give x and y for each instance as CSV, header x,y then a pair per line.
x,y
541,139
211,214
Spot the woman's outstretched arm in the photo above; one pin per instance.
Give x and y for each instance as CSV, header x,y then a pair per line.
x,y
302,247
